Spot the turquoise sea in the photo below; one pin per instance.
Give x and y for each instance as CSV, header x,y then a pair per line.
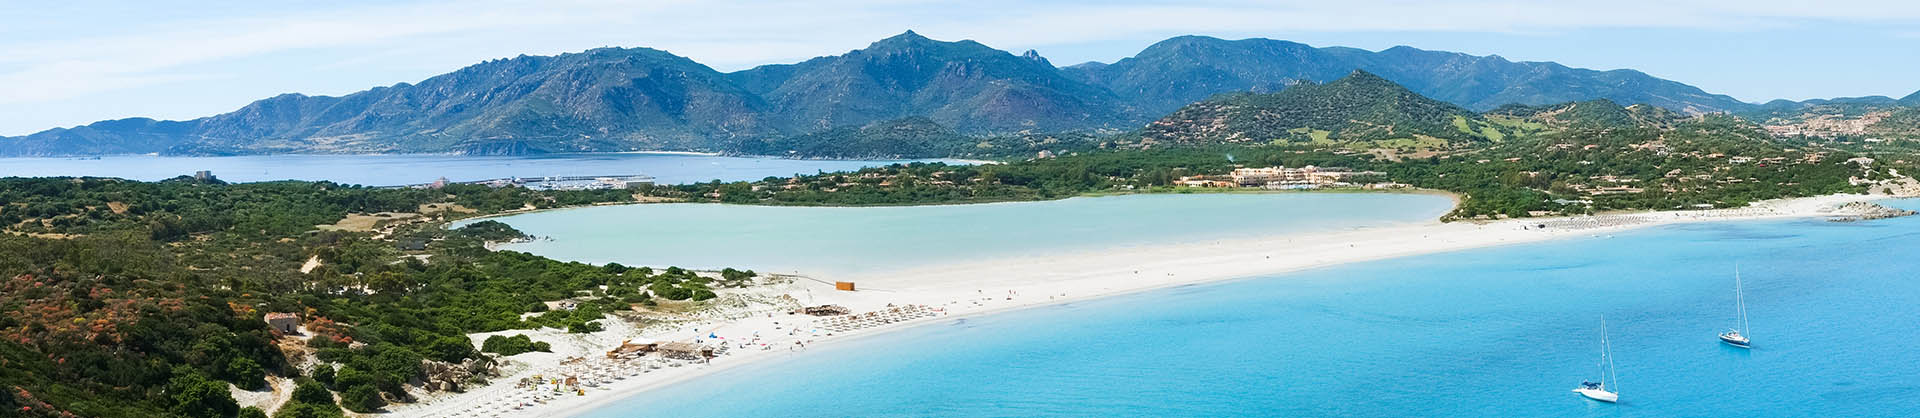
x,y
394,170
1495,332
841,240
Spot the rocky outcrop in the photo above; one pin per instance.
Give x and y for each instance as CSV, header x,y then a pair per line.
x,y
444,376
1861,211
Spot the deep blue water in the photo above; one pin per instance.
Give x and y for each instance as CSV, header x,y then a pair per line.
x,y
1498,332
393,170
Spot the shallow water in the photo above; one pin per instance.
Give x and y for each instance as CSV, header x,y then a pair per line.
x,y
1505,331
841,240
393,170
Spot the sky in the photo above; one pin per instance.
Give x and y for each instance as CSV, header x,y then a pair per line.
x,y
77,62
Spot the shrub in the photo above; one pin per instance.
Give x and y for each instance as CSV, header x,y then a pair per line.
x,y
193,395
251,412
363,398
324,374
307,410
584,327
517,344
350,376
309,391
245,373
451,349
703,294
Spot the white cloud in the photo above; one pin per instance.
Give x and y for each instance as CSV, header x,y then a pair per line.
x,y
42,64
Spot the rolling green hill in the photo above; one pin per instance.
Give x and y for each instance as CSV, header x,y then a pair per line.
x,y
1359,107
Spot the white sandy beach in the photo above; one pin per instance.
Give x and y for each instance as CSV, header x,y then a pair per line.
x,y
756,325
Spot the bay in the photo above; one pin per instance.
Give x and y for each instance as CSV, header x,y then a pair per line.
x,y
1498,332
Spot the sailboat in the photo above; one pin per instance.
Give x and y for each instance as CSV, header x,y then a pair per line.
x,y
1738,337
1600,391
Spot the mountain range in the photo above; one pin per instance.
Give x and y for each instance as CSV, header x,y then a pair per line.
x,y
625,99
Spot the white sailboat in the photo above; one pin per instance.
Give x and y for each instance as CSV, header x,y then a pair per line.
x,y
1603,390
1738,337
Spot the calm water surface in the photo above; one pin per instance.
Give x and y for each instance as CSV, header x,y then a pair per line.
x,y
393,170
1498,332
836,240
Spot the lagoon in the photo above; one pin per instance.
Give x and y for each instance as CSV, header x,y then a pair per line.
x,y
835,241
1500,332
394,170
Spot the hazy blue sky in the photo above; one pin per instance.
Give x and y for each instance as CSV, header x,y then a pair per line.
x,y
70,64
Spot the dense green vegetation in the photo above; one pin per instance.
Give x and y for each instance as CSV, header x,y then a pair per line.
x,y
911,138
135,299
1713,161
1360,107
138,299
517,344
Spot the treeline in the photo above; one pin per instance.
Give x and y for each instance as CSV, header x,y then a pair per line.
x,y
1558,172
915,137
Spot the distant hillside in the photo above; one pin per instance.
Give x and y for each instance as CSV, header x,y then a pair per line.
x,y
898,138
624,99
1359,107
608,99
1592,114
914,137
966,85
1873,117
1185,69
1898,123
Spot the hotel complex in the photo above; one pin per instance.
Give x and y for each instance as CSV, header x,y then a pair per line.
x,y
1309,177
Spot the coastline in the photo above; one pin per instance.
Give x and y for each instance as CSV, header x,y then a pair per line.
x,y
1007,284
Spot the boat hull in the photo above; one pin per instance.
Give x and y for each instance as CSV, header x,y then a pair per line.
x,y
1735,341
1598,395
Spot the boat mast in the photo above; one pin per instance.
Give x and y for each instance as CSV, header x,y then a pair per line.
x,y
1740,300
1606,354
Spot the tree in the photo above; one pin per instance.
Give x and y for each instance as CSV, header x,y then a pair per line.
x,y
309,391
584,327
252,412
350,376
517,344
245,373
193,395
307,410
451,349
324,373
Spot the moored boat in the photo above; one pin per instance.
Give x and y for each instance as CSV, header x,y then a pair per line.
x,y
1599,391
1738,337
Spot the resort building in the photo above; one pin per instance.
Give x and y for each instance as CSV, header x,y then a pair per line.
x,y
1295,178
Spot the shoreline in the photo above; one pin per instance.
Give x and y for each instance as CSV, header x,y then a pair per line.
x,y
1014,283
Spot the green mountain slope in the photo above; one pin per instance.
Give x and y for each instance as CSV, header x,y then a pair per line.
x,y
1592,114
964,84
1359,107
